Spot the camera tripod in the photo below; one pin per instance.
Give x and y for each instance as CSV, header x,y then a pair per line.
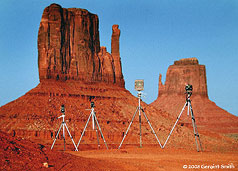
x,y
139,108
94,126
195,130
63,124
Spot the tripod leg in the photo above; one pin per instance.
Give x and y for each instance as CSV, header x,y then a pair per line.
x,y
195,129
100,131
64,135
188,111
128,127
96,131
84,130
56,136
76,149
93,124
151,128
175,124
140,128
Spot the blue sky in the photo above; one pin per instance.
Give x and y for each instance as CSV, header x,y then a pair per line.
x,y
154,33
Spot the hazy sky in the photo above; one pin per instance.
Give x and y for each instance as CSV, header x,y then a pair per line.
x,y
154,33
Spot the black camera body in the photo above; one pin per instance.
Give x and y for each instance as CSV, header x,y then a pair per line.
x,y
189,89
62,109
92,104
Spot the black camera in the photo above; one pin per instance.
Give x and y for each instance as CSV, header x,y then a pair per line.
x,y
92,104
62,109
189,89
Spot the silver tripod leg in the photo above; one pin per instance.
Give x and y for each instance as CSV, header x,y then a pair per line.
x,y
84,130
64,135
128,127
175,123
100,131
195,128
96,131
151,128
140,128
76,149
56,136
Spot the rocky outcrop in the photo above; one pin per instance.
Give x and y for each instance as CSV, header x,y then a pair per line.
x,y
68,47
184,71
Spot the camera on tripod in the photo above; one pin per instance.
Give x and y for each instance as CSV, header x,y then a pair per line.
x,y
139,85
62,109
189,89
92,104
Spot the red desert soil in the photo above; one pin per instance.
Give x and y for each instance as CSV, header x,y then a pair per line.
x,y
20,154
155,158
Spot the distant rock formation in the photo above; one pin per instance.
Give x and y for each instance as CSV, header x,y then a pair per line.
x,y
171,97
69,47
184,71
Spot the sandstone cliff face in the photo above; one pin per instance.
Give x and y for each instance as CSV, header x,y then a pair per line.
x,y
68,47
184,71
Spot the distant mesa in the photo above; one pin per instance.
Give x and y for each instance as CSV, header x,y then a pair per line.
x,y
69,48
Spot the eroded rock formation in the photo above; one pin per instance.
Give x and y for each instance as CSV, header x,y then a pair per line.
x,y
68,47
115,51
184,71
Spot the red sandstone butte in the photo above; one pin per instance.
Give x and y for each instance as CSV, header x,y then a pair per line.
x,y
171,97
73,68
69,47
184,71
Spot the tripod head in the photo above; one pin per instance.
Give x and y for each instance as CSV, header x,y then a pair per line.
x,y
62,111
92,106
